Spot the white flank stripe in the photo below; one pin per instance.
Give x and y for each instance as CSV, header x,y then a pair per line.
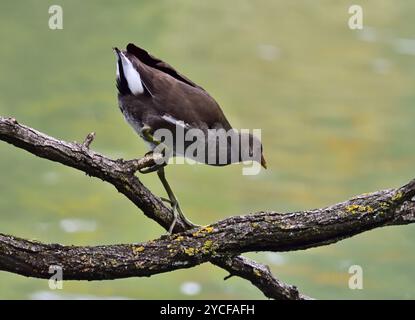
x,y
174,121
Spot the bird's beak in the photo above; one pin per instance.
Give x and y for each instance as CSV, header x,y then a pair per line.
x,y
263,162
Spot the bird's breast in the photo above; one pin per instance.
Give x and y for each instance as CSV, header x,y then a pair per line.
x,y
132,115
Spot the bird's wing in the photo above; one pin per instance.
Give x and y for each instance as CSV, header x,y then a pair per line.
x,y
158,64
200,106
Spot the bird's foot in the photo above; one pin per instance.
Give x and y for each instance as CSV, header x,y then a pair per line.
x,y
166,200
174,206
177,212
149,153
152,168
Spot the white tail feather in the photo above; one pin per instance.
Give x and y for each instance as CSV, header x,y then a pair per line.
x,y
131,75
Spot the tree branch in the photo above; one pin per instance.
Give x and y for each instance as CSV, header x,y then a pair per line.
x,y
121,174
263,231
219,243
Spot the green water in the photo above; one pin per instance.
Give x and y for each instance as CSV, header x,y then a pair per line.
x,y
336,109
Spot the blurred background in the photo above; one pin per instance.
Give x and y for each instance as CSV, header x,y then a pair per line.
x,y
336,109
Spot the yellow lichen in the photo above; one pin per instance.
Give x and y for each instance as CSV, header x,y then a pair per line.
x,y
207,246
384,205
397,196
179,238
138,249
114,262
352,208
355,208
257,272
202,231
369,209
190,251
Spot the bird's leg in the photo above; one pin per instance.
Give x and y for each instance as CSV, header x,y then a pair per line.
x,y
177,211
146,132
150,138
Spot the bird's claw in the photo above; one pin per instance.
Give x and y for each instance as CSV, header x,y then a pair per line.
x,y
166,200
149,153
150,169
